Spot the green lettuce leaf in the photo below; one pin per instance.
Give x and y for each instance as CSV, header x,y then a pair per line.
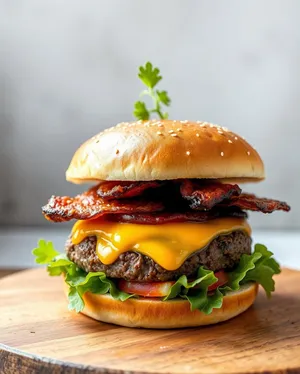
x,y
205,302
60,264
75,300
198,297
264,269
258,267
205,278
94,282
79,281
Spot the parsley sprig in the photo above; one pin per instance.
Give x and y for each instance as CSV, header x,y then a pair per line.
x,y
150,76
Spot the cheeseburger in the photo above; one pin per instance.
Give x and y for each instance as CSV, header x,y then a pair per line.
x,y
161,239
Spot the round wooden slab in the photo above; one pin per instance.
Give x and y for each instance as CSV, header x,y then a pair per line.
x,y
38,334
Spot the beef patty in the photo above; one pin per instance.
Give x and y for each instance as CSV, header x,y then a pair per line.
x,y
223,252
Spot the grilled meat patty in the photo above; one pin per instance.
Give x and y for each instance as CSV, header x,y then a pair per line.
x,y
223,252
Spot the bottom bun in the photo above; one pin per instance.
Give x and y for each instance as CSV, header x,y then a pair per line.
x,y
157,314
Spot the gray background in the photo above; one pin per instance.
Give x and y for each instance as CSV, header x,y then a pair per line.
x,y
68,70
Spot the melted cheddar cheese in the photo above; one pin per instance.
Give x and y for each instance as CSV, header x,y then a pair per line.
x,y
169,244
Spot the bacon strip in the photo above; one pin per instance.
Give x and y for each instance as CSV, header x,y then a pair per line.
x,y
123,190
161,218
89,205
251,202
205,195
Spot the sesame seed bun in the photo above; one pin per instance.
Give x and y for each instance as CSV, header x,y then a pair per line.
x,y
156,314
165,149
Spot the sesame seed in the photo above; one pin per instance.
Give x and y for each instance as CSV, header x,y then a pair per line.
x,y
225,128
222,154
160,124
220,132
236,138
179,130
175,135
203,125
159,133
188,153
170,131
248,153
197,135
229,141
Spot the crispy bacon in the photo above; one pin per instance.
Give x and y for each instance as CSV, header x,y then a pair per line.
x,y
161,218
208,199
123,190
251,202
205,195
89,205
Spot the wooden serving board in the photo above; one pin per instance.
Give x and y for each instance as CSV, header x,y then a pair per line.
x,y
39,335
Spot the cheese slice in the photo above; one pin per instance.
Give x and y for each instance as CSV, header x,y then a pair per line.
x,y
169,244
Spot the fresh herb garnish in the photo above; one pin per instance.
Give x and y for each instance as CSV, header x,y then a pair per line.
x,y
150,76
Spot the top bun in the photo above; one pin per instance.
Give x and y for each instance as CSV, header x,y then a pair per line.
x,y
165,149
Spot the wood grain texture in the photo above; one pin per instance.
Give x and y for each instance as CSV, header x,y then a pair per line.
x,y
38,334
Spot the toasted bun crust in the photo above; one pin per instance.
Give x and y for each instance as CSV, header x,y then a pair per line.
x,y
155,314
165,149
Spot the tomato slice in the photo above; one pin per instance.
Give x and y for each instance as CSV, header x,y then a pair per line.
x,y
161,289
222,279
147,289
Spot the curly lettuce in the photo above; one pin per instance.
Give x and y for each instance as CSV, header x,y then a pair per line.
x,y
259,267
79,281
